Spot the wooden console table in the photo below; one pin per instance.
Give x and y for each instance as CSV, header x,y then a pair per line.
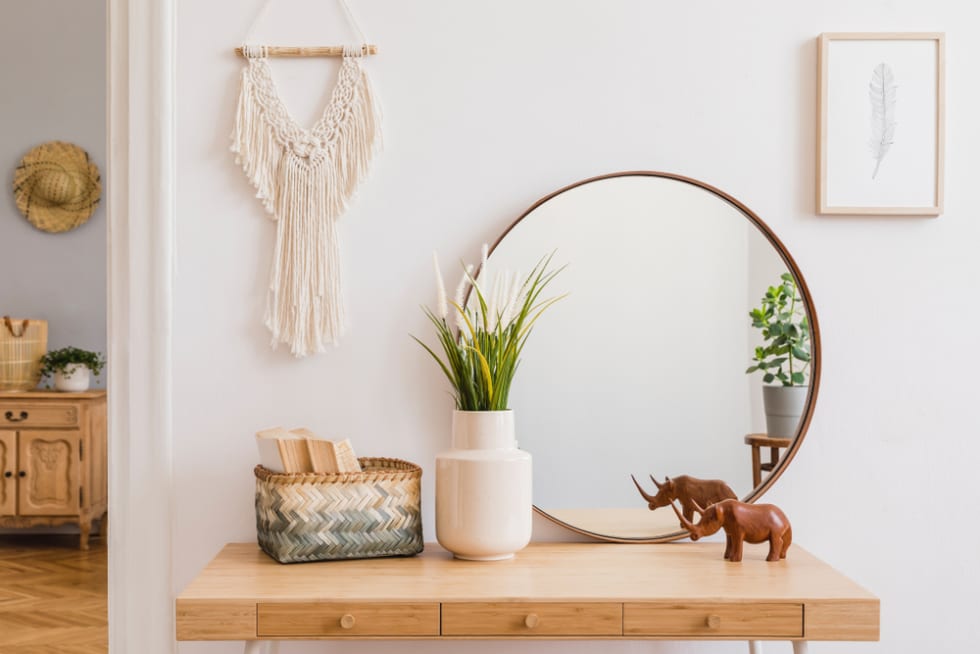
x,y
680,591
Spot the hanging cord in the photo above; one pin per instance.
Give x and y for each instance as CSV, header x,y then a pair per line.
x,y
353,21
251,50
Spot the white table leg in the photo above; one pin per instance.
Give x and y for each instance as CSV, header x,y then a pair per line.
x,y
261,647
799,647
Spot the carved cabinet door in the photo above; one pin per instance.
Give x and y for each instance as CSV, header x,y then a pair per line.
x,y
8,473
48,473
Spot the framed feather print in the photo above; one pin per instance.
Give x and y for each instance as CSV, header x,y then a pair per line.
x,y
880,126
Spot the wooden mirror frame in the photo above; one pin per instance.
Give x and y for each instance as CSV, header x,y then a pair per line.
x,y
811,401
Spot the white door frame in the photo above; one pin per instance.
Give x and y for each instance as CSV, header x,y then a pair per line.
x,y
141,216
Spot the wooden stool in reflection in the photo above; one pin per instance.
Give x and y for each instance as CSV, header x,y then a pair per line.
x,y
758,441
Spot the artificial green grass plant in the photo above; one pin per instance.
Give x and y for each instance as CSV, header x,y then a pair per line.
x,y
483,348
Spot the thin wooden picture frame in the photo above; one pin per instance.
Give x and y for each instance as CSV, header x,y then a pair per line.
x,y
856,97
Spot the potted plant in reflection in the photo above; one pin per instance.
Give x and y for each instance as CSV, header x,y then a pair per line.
x,y
784,358
483,484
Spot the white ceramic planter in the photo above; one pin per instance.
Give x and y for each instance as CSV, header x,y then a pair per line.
x,y
783,407
483,488
75,379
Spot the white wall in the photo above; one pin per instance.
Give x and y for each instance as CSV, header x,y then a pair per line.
x,y
54,87
489,106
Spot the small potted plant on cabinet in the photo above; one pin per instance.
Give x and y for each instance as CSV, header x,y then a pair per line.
x,y
785,356
71,368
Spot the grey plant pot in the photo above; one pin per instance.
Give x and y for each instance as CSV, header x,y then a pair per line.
x,y
783,406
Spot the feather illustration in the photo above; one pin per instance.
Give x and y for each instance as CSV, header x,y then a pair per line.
x,y
882,93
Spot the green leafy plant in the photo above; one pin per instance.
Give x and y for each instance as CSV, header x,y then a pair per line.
x,y
61,360
786,331
483,349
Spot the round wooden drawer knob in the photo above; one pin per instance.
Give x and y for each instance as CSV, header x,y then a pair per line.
x,y
531,621
347,622
713,621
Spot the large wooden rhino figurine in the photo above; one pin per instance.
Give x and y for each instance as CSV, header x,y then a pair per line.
x,y
755,523
688,491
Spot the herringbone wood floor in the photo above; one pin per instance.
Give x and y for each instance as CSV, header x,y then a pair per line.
x,y
52,595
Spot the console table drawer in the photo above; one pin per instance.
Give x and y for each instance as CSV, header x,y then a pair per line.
x,y
314,619
532,619
26,415
707,620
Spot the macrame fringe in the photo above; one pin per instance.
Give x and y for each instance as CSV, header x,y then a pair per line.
x,y
305,180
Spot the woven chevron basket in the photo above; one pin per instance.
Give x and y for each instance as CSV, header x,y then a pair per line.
x,y
351,515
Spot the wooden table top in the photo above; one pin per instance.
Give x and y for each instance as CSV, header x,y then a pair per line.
x,y
541,572
575,590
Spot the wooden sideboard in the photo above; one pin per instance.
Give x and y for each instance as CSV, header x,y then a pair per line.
x,y
53,459
679,591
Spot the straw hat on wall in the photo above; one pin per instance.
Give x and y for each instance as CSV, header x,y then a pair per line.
x,y
56,186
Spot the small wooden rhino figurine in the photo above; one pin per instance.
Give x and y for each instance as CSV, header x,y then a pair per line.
x,y
755,523
688,491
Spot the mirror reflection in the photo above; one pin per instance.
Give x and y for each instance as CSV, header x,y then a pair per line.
x,y
641,370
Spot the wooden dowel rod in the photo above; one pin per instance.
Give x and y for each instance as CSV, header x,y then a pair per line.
x,y
310,51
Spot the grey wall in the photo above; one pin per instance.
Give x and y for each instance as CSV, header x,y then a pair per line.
x,y
53,87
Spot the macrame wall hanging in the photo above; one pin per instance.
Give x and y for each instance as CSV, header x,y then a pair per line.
x,y
305,179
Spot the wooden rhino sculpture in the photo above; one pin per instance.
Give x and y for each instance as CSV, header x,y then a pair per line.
x,y
754,523
688,491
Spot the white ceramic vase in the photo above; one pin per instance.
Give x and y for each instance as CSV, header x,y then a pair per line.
x,y
75,379
483,488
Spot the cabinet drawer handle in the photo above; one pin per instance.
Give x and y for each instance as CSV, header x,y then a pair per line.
x,y
21,474
8,474
347,622
531,621
713,621
9,415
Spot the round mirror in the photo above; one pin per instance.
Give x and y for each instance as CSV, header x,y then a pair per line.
x,y
641,369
